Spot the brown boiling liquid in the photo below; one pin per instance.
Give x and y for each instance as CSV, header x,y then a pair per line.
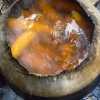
x,y
60,9
52,52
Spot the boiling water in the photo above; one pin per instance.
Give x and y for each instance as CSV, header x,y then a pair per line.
x,y
49,38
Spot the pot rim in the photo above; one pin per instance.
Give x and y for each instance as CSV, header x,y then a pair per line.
x,y
62,84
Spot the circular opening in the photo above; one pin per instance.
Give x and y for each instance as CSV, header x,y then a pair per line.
x,y
49,37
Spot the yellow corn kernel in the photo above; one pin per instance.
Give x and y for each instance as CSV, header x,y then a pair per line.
x,y
76,16
22,42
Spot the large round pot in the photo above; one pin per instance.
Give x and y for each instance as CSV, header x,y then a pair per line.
x,y
70,84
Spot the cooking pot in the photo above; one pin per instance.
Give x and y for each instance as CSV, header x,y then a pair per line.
x,y
69,85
